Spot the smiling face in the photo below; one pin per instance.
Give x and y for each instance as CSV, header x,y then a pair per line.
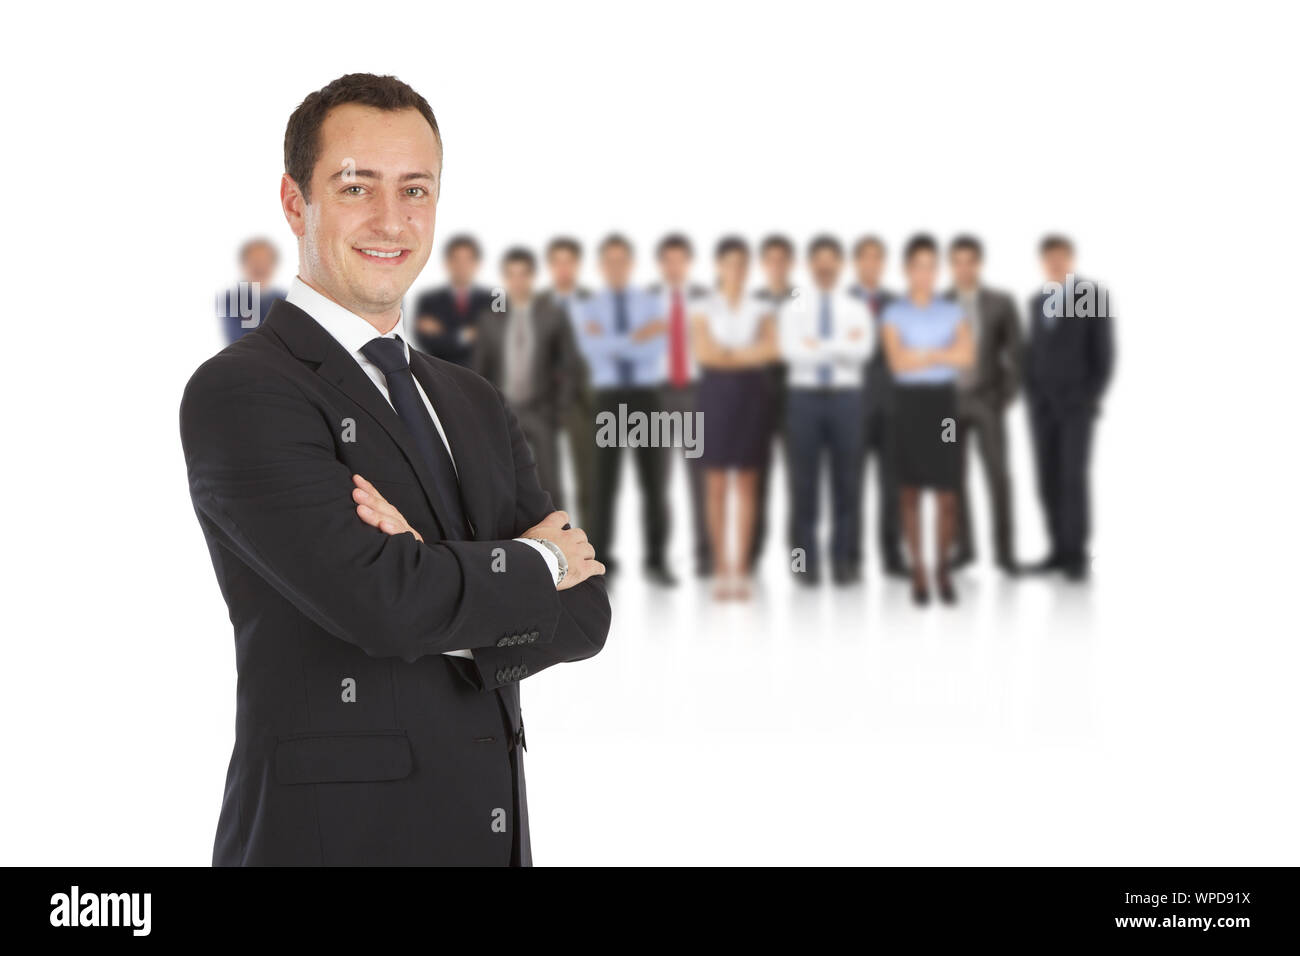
x,y
368,229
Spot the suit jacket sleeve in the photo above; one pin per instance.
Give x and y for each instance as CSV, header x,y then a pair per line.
x,y
441,343
1013,354
584,613
1101,355
269,489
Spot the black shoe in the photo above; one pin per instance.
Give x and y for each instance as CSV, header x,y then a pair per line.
x,y
843,574
961,560
658,574
947,594
1076,572
807,579
1009,568
703,571
1046,566
920,594
897,569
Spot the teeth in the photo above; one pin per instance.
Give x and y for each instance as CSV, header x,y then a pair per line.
x,y
382,255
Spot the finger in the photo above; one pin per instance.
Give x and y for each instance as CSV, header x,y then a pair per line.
x,y
556,519
369,515
595,567
363,484
587,552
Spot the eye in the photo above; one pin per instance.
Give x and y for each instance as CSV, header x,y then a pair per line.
x,y
348,190
416,192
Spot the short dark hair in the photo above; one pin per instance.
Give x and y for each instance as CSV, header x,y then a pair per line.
x,y
825,241
868,240
921,242
674,240
615,239
968,243
1053,241
564,244
302,135
776,241
729,244
249,245
519,254
462,240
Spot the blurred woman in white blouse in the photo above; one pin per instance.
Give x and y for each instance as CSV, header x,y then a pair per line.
x,y
733,338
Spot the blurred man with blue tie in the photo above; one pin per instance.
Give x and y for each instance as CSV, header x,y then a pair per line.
x,y
826,336
621,332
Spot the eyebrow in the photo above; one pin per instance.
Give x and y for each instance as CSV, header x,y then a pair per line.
x,y
373,174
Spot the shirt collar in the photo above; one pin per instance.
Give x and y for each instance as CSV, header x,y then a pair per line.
x,y
348,329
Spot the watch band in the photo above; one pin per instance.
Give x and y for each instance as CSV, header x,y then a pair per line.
x,y
561,561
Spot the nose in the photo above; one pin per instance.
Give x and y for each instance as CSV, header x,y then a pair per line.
x,y
387,220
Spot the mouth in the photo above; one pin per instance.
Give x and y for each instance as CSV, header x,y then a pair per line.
x,y
383,257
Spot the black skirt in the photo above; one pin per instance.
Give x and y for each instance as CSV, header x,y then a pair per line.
x,y
737,411
924,429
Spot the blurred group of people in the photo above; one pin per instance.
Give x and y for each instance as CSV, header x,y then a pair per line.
x,y
843,373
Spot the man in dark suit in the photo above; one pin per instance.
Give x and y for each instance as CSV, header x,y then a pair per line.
x,y
869,266
528,351
984,392
391,566
677,297
1070,358
563,259
776,258
445,317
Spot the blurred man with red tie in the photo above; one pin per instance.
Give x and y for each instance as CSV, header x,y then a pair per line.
x,y
446,318
676,295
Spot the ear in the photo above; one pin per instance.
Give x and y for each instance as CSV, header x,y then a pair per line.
x,y
293,204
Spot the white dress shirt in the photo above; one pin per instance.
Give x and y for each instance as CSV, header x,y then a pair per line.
x,y
353,332
807,351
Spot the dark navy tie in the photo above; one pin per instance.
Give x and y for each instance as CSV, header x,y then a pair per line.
x,y
389,357
621,328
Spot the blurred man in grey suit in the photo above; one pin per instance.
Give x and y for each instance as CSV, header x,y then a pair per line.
x,y
525,347
984,391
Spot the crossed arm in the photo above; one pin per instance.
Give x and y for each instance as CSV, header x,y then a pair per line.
x,y
960,353
268,487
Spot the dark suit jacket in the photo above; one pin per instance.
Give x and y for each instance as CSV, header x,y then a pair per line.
x,y
555,358
440,304
999,348
879,377
356,740
578,386
1069,365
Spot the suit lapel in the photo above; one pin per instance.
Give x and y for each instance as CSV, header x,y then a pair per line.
x,y
458,418
311,343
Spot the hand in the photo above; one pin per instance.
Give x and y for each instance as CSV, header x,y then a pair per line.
x,y
580,555
428,325
810,342
375,511
650,330
855,334
593,328
468,334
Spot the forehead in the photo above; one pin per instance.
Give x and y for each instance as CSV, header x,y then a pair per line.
x,y
387,141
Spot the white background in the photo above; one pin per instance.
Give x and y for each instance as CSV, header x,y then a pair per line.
x,y
1148,718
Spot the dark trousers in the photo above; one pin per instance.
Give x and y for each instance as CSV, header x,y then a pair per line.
x,y
983,417
579,425
824,421
543,438
683,400
1062,447
649,463
877,441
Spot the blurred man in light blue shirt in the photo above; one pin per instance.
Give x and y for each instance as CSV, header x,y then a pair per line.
x,y
621,332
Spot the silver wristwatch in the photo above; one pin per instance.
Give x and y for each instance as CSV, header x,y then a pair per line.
x,y
560,559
